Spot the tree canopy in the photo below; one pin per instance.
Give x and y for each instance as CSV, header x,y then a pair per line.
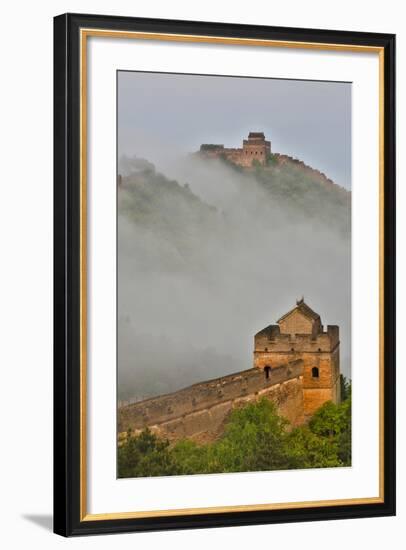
x,y
256,438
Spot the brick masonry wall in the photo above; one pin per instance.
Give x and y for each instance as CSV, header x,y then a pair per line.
x,y
253,149
200,411
321,352
297,324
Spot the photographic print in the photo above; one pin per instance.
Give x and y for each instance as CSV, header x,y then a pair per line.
x,y
233,274
224,274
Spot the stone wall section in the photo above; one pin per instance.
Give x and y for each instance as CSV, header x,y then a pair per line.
x,y
255,148
199,412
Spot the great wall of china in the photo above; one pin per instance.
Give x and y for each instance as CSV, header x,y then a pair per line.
x,y
296,365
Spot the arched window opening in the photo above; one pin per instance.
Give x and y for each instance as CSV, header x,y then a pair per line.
x,y
315,372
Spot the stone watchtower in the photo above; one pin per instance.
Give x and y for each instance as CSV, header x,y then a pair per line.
x,y
256,147
299,334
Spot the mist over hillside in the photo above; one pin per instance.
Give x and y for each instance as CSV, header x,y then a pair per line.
x,y
209,254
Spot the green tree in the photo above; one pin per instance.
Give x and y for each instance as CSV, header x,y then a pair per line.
x,y
190,458
308,450
254,439
345,387
345,436
270,159
333,423
145,455
325,441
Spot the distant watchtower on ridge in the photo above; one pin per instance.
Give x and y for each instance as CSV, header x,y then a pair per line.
x,y
299,334
255,148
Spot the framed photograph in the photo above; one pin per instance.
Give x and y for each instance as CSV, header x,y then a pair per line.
x,y
224,274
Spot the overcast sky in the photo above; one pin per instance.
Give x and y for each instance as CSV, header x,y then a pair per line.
x,y
161,115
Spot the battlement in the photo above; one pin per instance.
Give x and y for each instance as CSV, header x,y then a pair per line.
x,y
271,338
201,409
211,147
255,148
256,141
296,366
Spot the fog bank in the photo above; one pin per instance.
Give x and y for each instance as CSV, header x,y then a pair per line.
x,y
205,263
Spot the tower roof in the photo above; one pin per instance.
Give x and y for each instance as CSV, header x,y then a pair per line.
x,y
256,135
302,308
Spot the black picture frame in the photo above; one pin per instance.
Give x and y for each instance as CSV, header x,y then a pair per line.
x,y
67,351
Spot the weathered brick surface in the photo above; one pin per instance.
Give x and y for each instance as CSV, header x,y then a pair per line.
x,y
200,411
296,324
296,365
300,335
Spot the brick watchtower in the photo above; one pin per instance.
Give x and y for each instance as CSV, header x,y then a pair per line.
x,y
299,334
256,147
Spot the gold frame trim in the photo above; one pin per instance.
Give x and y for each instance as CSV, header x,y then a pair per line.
x,y
84,34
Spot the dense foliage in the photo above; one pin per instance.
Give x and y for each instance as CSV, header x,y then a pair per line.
x,y
300,192
165,208
256,438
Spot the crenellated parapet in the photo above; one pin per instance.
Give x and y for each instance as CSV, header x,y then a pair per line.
x,y
272,339
255,148
200,411
296,366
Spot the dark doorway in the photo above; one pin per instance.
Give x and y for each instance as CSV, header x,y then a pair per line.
x,y
315,372
267,371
